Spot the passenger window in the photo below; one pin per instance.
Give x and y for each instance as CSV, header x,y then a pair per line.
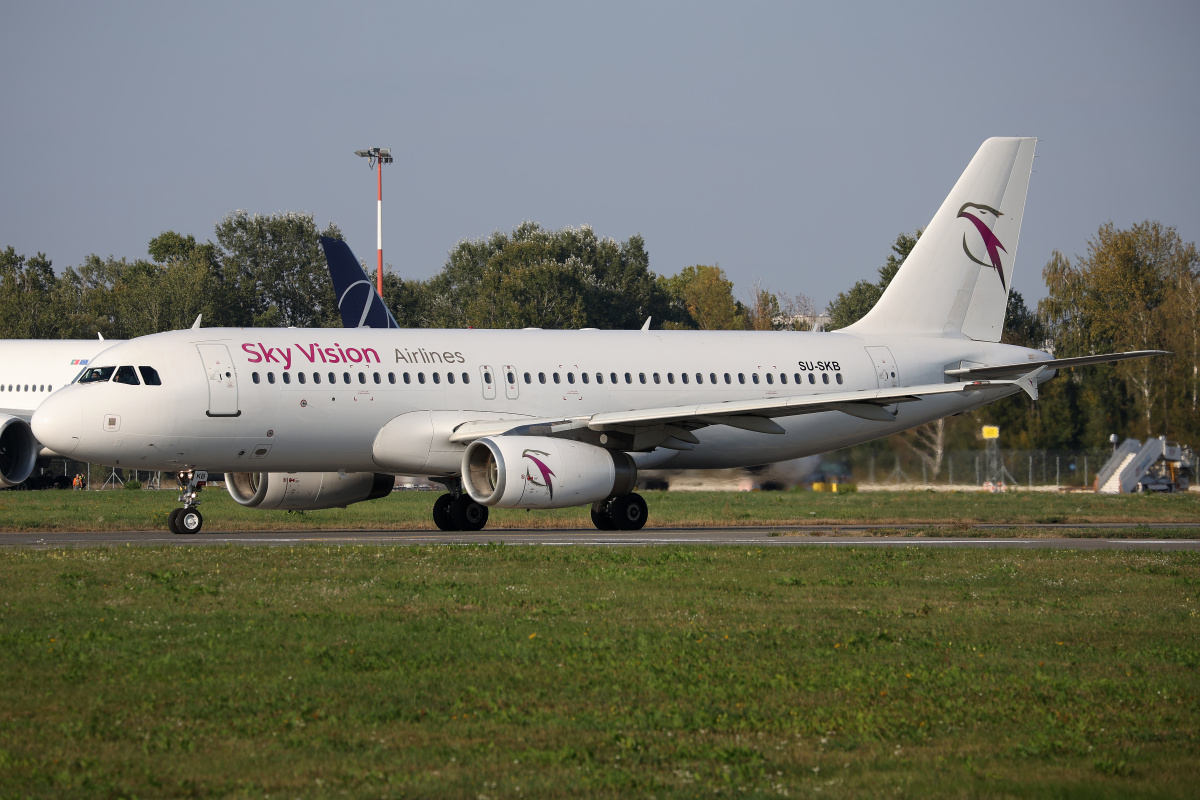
x,y
599,377
584,375
92,375
407,378
270,377
570,377
612,377
421,377
449,377
345,377
556,380
254,377
754,377
783,377
125,375
541,377
316,377
362,378
150,376
671,377
839,378
657,379
391,377
466,378
727,378
528,378
796,377
511,378
642,377
437,378
741,377
332,378
824,377
300,376
487,377
378,378
287,377
628,378
811,379
770,379
683,376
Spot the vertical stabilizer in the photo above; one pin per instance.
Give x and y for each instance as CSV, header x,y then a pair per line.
x,y
358,303
955,282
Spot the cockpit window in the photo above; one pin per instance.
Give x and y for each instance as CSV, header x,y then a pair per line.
x,y
96,374
150,376
126,375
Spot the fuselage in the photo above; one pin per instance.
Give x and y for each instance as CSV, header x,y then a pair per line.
x,y
32,369
293,400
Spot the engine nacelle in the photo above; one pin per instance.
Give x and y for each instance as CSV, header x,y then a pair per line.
x,y
307,491
543,472
18,450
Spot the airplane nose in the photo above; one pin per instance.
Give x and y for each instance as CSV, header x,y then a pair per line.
x,y
58,422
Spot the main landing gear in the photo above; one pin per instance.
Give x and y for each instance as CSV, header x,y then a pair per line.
x,y
456,511
188,520
624,513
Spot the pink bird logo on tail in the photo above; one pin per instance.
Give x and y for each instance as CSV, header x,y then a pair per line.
x,y
547,473
990,242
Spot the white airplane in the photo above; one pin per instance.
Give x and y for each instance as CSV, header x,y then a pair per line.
x,y
317,418
30,370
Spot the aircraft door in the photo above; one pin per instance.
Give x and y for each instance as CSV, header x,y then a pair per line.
x,y
885,367
488,376
222,380
511,389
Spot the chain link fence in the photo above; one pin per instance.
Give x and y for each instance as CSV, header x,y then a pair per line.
x,y
982,467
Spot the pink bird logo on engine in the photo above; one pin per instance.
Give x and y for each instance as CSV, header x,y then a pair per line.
x,y
547,473
978,216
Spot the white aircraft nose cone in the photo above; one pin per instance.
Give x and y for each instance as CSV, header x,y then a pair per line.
x,y
58,422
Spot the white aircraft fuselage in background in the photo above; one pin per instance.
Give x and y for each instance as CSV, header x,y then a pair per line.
x,y
30,371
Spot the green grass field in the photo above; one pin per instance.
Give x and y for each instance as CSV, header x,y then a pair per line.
x,y
494,671
147,510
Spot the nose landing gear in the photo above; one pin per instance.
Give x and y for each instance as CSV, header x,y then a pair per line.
x,y
188,520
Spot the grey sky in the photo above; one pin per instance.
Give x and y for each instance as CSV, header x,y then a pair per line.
x,y
788,142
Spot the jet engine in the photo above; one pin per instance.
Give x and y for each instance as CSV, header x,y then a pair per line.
x,y
306,490
18,450
543,472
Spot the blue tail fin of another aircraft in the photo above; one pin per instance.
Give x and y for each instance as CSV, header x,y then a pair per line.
x,y
358,303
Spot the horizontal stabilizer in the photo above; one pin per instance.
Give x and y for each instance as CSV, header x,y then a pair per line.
x,y
1014,371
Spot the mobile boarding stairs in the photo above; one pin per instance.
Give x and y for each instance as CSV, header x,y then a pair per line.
x,y
1156,466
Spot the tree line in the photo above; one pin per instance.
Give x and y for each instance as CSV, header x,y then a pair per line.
x,y
1135,288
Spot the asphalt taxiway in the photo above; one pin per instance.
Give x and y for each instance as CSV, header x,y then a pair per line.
x,y
1071,537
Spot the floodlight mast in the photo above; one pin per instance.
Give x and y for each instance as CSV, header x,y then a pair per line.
x,y
377,157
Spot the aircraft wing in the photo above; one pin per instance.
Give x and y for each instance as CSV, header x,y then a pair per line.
x,y
993,371
673,424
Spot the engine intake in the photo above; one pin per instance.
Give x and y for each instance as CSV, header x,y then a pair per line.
x,y
18,450
543,472
306,491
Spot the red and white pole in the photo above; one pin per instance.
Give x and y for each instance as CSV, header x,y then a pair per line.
x,y
379,231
